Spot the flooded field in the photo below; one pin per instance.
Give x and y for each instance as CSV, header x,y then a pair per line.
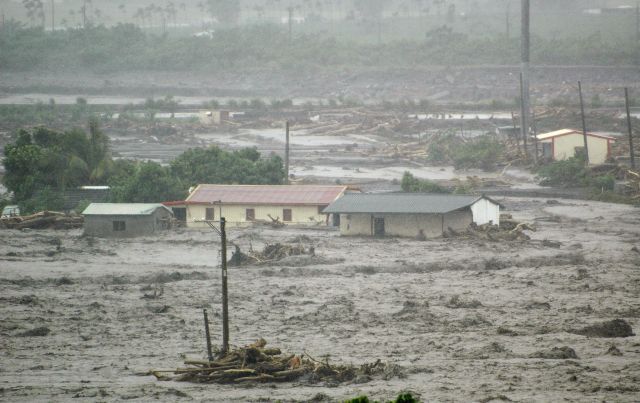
x,y
465,319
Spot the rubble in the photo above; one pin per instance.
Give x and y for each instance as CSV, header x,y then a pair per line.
x,y
43,220
270,253
508,230
256,363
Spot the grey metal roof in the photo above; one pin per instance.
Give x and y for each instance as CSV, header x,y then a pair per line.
x,y
122,208
400,203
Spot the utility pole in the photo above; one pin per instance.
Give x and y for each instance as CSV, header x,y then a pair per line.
x,y
84,14
508,19
524,129
53,16
534,129
584,125
638,33
631,152
225,302
290,10
525,70
286,156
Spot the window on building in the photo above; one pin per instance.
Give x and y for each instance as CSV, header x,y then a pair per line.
x,y
286,215
250,214
210,214
119,226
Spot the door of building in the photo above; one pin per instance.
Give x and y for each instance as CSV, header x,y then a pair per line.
x,y
378,226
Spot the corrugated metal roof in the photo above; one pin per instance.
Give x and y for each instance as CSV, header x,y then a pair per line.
x,y
122,208
266,194
400,203
563,132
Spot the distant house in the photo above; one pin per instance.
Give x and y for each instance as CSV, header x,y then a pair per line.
x,y
125,219
93,194
411,214
562,144
214,117
241,205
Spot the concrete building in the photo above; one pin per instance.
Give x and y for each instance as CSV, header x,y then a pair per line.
x,y
562,144
241,205
123,220
411,214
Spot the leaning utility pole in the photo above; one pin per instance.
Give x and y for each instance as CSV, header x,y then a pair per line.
x,y
286,156
631,152
584,125
525,71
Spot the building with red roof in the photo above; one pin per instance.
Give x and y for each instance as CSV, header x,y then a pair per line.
x,y
242,205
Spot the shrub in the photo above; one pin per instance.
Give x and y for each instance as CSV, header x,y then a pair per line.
x,y
412,184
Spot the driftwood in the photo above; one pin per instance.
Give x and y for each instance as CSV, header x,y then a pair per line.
x,y
270,253
255,363
43,220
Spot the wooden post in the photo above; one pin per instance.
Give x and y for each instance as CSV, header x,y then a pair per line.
x,y
525,69
631,152
584,125
207,335
225,304
286,156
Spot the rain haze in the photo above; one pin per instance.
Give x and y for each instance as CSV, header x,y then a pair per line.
x,y
320,200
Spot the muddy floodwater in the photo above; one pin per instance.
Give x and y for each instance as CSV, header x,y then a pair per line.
x,y
465,319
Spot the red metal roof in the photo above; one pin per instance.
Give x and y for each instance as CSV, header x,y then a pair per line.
x,y
265,194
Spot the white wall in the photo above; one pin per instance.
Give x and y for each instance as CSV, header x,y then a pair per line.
x,y
485,211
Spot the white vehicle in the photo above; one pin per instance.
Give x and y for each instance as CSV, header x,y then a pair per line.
x,y
10,211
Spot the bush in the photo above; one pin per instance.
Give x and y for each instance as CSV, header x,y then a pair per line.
x,y
483,152
412,184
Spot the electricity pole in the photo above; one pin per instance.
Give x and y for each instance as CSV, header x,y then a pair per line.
x,y
225,297
631,152
584,125
286,156
525,70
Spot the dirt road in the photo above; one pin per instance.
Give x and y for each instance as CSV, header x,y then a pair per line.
x,y
462,317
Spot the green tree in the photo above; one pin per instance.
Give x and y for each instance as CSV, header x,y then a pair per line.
x,y
148,183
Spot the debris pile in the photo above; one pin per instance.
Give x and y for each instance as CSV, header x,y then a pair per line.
x,y
256,363
633,184
508,230
43,220
270,253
